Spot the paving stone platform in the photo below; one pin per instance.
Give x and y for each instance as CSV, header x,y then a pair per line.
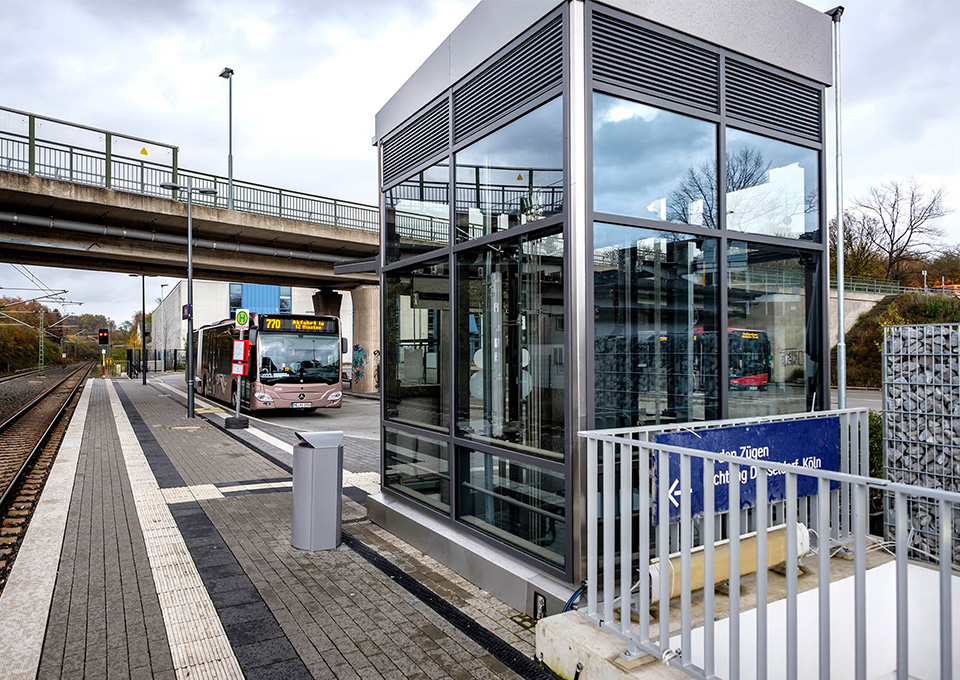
x,y
176,562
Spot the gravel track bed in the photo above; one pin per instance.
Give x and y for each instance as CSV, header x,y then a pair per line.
x,y
15,394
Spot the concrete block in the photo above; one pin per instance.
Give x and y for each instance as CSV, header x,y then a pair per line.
x,y
568,639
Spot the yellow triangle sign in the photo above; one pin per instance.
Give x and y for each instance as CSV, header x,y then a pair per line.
x,y
143,151
519,178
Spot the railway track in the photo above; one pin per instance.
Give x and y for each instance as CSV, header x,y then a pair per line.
x,y
28,444
21,374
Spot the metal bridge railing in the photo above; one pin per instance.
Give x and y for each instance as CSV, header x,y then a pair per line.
x,y
97,161
670,561
864,285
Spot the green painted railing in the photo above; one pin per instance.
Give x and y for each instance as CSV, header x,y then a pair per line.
x,y
37,145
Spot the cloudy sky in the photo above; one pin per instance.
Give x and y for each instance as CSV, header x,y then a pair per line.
x,y
311,75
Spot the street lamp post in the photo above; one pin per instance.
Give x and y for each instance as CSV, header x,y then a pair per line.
x,y
163,343
835,15
228,74
143,326
190,358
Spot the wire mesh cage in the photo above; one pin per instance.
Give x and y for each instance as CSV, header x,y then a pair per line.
x,y
921,406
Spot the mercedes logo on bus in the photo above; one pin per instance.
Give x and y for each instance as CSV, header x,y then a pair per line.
x,y
301,396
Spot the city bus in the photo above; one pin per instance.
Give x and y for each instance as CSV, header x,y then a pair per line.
x,y
294,363
750,367
751,358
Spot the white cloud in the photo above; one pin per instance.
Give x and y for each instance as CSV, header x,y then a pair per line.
x,y
310,76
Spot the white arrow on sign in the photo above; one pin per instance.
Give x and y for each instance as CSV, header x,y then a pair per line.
x,y
674,491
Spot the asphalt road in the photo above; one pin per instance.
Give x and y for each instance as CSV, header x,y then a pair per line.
x,y
357,417
859,398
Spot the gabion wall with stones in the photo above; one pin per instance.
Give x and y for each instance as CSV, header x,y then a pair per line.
x,y
921,403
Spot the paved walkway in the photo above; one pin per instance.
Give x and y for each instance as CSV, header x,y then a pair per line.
x,y
176,562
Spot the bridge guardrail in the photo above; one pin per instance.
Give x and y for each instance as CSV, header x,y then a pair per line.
x,y
23,152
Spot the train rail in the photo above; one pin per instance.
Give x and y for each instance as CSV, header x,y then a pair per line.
x,y
23,434
29,441
21,374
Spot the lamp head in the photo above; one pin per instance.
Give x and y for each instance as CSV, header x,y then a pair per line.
x,y
226,73
171,185
835,13
208,192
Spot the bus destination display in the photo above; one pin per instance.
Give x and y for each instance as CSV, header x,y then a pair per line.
x,y
299,325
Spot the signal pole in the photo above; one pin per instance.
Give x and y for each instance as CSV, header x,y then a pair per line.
x,y
40,349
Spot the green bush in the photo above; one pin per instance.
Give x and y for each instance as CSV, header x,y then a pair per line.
x,y
876,444
865,339
930,308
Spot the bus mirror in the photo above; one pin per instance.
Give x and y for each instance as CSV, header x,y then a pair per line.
x,y
344,348
252,336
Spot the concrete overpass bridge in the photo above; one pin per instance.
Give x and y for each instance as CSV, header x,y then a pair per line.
x,y
78,197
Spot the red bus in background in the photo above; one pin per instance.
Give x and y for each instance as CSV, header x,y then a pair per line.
x,y
294,362
751,360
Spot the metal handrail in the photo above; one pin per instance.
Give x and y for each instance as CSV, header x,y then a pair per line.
x,y
838,516
866,285
31,155
80,126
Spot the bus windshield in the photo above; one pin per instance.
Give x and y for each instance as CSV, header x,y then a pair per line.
x,y
295,358
749,353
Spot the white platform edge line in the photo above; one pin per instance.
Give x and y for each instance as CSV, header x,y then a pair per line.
x,y
153,514
25,603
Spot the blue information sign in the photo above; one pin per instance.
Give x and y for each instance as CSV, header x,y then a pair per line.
x,y
813,443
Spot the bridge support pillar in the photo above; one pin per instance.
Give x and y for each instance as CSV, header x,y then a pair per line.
x,y
366,339
326,302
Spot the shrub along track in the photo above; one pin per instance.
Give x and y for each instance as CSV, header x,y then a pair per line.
x,y
29,441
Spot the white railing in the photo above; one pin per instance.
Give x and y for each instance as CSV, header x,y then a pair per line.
x,y
627,542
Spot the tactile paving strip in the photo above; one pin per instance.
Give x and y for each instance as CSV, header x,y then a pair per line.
x,y
198,643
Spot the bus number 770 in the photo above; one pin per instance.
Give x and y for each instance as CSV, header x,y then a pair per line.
x,y
272,324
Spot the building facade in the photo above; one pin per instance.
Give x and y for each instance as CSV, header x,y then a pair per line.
x,y
215,301
613,217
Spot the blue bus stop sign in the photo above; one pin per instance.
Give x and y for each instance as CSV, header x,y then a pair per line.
x,y
813,443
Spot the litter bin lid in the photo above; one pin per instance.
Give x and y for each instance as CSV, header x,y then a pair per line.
x,y
320,440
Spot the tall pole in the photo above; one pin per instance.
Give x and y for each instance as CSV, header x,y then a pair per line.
x,y
163,343
230,150
40,358
143,325
841,340
190,367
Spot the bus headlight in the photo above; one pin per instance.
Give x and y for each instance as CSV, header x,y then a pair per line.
x,y
263,397
333,396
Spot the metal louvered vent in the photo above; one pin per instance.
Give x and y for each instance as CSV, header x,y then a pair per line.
x,y
531,68
631,56
772,101
421,139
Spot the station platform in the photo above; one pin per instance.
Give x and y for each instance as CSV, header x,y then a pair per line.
x,y
161,549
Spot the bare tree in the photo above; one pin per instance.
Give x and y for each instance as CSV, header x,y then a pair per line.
x,y
746,167
903,212
861,256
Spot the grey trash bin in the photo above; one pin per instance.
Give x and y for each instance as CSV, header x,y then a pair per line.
x,y
317,489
